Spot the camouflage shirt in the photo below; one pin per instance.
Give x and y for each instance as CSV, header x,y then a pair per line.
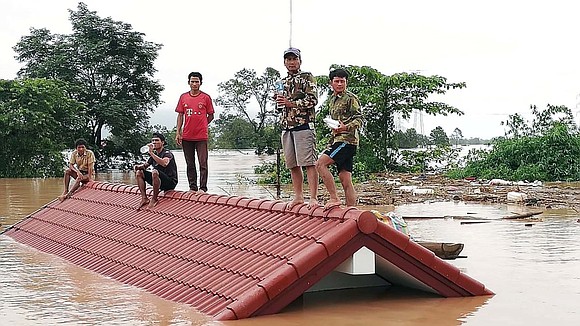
x,y
300,89
345,107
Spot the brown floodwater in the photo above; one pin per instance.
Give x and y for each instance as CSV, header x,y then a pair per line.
x,y
532,266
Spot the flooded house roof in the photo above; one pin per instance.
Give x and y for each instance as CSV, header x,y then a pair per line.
x,y
229,257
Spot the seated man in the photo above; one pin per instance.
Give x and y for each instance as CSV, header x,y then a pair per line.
x,y
81,167
164,173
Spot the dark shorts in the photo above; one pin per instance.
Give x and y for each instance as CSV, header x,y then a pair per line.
x,y
342,154
166,182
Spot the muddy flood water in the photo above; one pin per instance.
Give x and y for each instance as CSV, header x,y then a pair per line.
x,y
532,266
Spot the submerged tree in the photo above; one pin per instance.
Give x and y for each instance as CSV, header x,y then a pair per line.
x,y
542,121
438,137
249,97
546,148
457,136
106,65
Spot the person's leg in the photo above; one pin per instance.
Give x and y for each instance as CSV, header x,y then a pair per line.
x,y
349,192
305,148
166,182
140,175
296,175
202,154
324,161
156,182
297,180
67,175
312,175
189,154
75,186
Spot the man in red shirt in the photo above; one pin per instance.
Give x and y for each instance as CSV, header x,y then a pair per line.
x,y
194,113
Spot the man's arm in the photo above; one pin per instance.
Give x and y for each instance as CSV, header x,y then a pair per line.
x,y
355,118
91,166
178,134
163,161
209,118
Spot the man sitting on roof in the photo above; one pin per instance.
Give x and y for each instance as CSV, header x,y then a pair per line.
x,y
81,167
163,176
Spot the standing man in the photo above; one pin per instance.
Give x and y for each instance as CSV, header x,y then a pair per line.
x,y
344,106
164,173
81,167
296,106
194,113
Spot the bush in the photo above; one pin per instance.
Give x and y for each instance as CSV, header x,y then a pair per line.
x,y
552,156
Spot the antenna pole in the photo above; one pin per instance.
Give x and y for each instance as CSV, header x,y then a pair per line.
x,y
290,36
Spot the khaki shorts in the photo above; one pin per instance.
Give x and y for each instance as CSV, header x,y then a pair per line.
x,y
299,148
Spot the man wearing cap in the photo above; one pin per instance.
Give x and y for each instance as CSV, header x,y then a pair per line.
x,y
296,107
164,173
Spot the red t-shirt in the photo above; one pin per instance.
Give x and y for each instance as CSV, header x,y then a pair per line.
x,y
195,110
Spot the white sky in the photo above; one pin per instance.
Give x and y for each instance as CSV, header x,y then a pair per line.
x,y
510,53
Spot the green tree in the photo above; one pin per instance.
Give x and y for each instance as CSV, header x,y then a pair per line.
x,y
409,139
38,120
232,131
542,121
457,136
382,96
249,97
107,66
523,154
438,137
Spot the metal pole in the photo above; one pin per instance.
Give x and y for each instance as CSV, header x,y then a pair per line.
x,y
290,36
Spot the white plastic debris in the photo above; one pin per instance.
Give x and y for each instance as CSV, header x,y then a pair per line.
x,y
515,196
422,192
407,188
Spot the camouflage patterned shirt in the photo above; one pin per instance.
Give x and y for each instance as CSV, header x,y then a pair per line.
x,y
345,107
300,89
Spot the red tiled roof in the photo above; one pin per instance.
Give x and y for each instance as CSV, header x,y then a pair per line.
x,y
229,257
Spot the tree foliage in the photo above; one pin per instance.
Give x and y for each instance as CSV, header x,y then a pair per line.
x,y
542,121
106,65
248,96
546,148
438,137
37,122
409,139
457,136
234,132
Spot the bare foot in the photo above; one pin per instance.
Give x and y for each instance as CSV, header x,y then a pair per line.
x,y
290,205
63,197
331,205
144,201
313,203
152,203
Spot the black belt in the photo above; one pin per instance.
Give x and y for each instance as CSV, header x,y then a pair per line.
x,y
305,126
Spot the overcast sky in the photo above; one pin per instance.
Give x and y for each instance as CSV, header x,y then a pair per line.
x,y
510,53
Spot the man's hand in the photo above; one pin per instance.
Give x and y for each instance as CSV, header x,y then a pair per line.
x,y
281,100
341,128
178,139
